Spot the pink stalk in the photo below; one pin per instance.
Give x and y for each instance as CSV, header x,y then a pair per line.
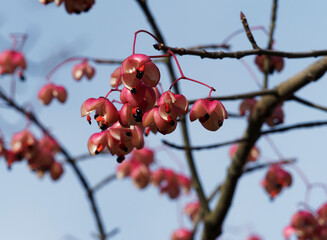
x,y
241,30
144,31
71,59
112,90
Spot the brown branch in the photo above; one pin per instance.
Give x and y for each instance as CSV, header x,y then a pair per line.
x,y
275,130
248,31
103,182
240,54
213,223
213,46
242,95
189,156
33,118
270,43
310,104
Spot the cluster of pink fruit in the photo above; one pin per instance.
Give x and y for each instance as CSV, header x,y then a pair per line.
x,y
144,108
72,6
138,169
38,153
308,225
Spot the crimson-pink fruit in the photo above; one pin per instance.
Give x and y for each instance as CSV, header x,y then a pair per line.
x,y
211,113
155,122
56,170
122,141
304,224
98,142
193,210
49,143
277,117
49,91
24,144
172,105
106,113
41,161
78,6
322,214
253,237
247,106
184,182
124,169
139,67
252,157
11,60
275,63
275,180
141,176
144,156
83,69
115,78
182,234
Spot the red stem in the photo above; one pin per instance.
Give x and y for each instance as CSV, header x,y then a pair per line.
x,y
241,30
144,31
71,59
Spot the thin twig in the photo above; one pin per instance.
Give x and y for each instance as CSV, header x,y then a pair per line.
x,y
266,62
213,46
240,54
103,182
310,104
275,130
248,31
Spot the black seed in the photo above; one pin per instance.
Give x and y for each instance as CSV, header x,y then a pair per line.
x,y
139,74
103,126
279,186
172,122
96,115
137,118
129,134
120,159
22,78
133,90
96,152
220,123
138,111
207,116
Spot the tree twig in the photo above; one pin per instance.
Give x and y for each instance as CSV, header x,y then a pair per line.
x,y
103,182
310,104
248,31
240,54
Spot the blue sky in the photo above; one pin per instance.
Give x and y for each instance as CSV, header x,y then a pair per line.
x,y
39,209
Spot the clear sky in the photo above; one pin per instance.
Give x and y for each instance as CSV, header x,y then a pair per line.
x,y
38,209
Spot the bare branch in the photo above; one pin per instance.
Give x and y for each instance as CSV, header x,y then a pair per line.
x,y
275,130
248,31
240,54
103,182
310,104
